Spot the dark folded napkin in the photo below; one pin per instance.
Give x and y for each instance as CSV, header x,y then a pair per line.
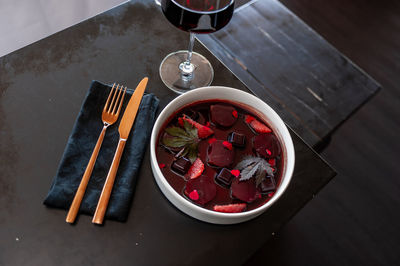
x,y
81,142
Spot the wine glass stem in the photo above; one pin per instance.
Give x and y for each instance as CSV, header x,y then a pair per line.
x,y
187,67
190,48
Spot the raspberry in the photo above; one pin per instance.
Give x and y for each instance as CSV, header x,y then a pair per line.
x,y
235,114
227,145
235,172
194,195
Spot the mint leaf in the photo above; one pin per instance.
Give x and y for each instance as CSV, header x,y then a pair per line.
x,y
260,175
248,172
192,152
190,129
185,138
267,168
177,132
246,161
175,142
254,167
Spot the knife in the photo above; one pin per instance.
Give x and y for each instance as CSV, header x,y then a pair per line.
x,y
124,128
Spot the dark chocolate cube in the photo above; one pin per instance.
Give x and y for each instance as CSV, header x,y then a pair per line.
x,y
224,177
237,139
268,185
181,166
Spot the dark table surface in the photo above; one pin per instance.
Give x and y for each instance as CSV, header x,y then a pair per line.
x,y
42,87
292,68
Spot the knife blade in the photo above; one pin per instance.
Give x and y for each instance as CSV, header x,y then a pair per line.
x,y
124,128
131,109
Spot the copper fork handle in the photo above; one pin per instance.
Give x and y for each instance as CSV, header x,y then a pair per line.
x,y
76,203
108,186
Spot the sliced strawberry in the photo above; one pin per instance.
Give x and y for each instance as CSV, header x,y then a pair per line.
x,y
196,169
202,130
230,208
259,127
256,125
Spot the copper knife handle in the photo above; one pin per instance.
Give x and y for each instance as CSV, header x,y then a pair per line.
x,y
108,186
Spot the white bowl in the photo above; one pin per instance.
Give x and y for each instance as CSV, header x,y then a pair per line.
x,y
249,102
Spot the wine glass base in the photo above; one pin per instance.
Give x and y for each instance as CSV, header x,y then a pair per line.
x,y
172,77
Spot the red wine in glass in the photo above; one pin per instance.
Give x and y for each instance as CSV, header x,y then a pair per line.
x,y
182,71
198,16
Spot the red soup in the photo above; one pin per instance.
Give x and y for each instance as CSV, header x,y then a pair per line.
x,y
220,156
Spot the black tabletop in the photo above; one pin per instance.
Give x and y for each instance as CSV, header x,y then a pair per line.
x,y
42,87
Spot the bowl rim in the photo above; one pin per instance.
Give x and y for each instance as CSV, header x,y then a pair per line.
x,y
289,149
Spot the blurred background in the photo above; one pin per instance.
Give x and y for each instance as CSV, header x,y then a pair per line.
x,y
23,22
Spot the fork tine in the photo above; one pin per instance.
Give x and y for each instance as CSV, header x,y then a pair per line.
x,y
117,100
122,100
112,104
108,99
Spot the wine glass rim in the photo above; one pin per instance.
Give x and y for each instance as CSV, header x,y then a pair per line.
x,y
204,12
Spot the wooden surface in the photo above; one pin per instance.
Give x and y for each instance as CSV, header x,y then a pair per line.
x,y
311,85
42,87
355,219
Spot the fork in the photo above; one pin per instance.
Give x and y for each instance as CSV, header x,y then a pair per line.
x,y
109,116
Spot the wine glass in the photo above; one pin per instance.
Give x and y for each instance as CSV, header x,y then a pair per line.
x,y
183,70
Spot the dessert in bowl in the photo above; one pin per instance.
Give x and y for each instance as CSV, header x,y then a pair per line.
x,y
221,155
